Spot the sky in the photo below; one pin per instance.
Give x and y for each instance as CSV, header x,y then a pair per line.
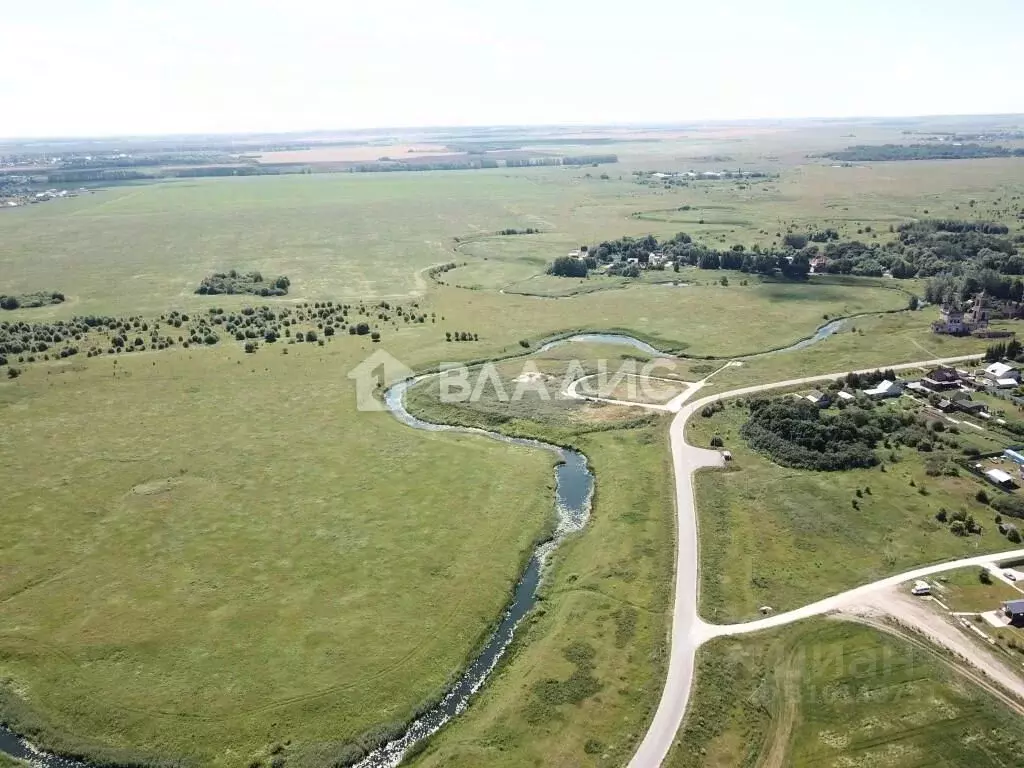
x,y
117,67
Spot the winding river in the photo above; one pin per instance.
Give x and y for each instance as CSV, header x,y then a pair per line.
x,y
573,493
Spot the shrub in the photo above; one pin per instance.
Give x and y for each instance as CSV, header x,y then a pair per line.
x,y
984,576
1013,534
716,442
375,336
981,497
13,373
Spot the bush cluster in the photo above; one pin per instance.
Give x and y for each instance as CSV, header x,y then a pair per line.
x,y
235,282
795,433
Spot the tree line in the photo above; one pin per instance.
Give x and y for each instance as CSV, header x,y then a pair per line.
x,y
863,153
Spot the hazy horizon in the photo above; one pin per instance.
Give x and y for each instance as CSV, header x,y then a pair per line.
x,y
116,69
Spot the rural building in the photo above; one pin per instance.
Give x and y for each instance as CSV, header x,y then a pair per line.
x,y
1000,478
1002,375
818,264
817,398
844,395
918,388
885,388
946,405
970,407
1014,455
941,378
955,321
1014,611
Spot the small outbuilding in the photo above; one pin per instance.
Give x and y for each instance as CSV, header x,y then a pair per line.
x,y
1014,611
820,399
1000,478
1014,456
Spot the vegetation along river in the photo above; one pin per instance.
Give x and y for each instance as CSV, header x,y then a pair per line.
x,y
573,492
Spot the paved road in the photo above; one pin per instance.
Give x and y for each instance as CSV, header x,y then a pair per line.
x,y
689,631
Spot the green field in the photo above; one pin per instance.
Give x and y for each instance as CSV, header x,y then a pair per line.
x,y
213,556
271,570
831,695
784,537
608,591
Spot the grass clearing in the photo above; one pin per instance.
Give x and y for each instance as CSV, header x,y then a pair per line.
x,y
831,694
962,590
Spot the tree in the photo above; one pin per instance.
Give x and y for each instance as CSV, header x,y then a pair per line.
x,y
362,329
375,336
984,576
795,240
1013,534
13,373
566,266
9,302
716,442
708,260
310,336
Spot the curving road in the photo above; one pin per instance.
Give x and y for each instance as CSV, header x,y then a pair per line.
x,y
689,631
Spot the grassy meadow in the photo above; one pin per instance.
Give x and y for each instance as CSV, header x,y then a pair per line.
x,y
266,568
584,674
830,695
213,556
784,537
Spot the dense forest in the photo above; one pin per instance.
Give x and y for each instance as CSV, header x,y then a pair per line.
x,y
863,153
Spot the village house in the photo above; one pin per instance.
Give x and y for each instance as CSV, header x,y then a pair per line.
x,y
939,379
970,407
1002,375
885,388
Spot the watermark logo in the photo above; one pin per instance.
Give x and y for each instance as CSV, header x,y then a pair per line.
x,y
649,382
373,374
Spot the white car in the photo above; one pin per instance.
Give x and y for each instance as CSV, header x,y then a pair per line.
x,y
1010,575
